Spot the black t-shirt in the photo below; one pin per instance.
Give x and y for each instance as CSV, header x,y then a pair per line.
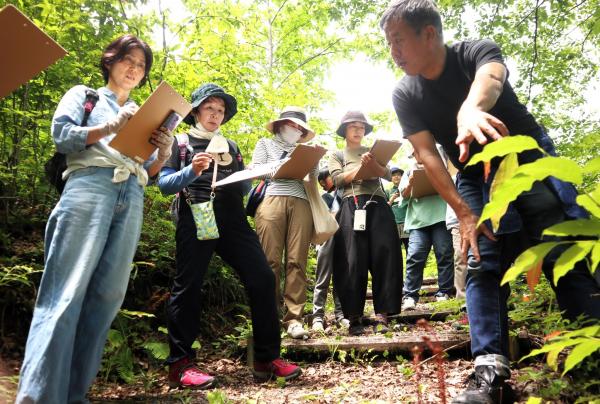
x,y
200,188
432,105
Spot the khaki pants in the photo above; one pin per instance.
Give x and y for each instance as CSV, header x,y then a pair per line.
x,y
460,267
285,222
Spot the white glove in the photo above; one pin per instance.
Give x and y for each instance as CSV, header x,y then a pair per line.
x,y
162,139
120,120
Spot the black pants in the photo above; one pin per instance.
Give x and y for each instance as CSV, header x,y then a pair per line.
x,y
239,247
376,249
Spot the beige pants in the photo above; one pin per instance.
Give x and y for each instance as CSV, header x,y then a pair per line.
x,y
285,222
460,267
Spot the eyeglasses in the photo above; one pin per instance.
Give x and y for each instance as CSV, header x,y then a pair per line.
x,y
132,63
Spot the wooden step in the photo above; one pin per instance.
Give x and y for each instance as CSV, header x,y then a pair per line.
x,y
398,342
426,290
411,316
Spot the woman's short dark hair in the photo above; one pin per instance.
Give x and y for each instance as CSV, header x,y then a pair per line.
x,y
279,124
120,47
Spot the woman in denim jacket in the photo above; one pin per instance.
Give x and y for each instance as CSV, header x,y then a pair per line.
x,y
92,233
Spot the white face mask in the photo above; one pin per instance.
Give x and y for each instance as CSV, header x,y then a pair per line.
x,y
290,134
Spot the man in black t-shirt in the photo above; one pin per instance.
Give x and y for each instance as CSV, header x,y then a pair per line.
x,y
454,95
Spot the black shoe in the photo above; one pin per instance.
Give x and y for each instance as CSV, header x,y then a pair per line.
x,y
356,328
487,384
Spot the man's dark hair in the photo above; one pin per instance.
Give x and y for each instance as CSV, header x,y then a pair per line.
x,y
417,13
323,174
120,47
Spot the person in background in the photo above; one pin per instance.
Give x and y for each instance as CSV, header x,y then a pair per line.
x,y
284,218
374,249
237,245
458,96
325,263
92,232
398,205
460,266
426,223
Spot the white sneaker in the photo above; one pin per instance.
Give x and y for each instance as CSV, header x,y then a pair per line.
x,y
344,323
441,297
408,303
296,331
317,325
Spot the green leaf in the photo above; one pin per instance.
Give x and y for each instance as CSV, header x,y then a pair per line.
x,y
595,258
159,350
549,347
569,258
591,201
528,259
504,146
592,166
524,178
579,227
534,400
132,314
508,166
580,352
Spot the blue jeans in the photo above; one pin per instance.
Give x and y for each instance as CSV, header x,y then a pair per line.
x,y
91,237
486,300
419,244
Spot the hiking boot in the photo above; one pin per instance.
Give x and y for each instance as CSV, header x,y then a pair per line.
x,y
296,331
356,328
487,384
441,297
408,303
380,325
317,325
184,373
264,371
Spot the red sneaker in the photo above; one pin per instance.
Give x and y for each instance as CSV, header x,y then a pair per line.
x,y
184,373
264,371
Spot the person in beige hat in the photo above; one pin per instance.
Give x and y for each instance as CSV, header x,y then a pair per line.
x,y
374,247
284,219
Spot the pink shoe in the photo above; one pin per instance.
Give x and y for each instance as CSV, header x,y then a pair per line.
x,y
264,371
184,373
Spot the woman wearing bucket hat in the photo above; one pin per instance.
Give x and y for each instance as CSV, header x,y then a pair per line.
x,y
376,248
284,220
191,171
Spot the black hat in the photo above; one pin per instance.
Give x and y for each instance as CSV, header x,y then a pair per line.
x,y
353,116
206,91
395,170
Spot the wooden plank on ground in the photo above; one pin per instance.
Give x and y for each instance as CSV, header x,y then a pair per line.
x,y
402,342
426,290
411,316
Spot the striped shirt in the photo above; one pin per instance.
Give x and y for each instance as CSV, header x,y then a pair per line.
x,y
268,150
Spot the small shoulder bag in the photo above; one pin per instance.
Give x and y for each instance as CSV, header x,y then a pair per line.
x,y
204,213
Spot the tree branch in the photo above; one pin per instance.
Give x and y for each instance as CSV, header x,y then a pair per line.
x,y
309,59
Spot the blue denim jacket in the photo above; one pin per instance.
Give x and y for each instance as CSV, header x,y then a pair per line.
x,y
511,222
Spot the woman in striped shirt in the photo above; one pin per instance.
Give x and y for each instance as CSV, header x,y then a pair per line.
x,y
284,219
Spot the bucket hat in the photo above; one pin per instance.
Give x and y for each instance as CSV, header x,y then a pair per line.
x,y
296,115
353,116
206,91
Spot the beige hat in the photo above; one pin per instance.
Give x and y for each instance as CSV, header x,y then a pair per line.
x,y
296,115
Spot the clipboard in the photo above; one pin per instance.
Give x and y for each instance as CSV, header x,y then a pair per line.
x,y
133,140
26,50
421,185
383,151
296,166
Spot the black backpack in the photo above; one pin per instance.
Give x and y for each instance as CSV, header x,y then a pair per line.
x,y
57,164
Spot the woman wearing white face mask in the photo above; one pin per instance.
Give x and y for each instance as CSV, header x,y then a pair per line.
x,y
284,220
